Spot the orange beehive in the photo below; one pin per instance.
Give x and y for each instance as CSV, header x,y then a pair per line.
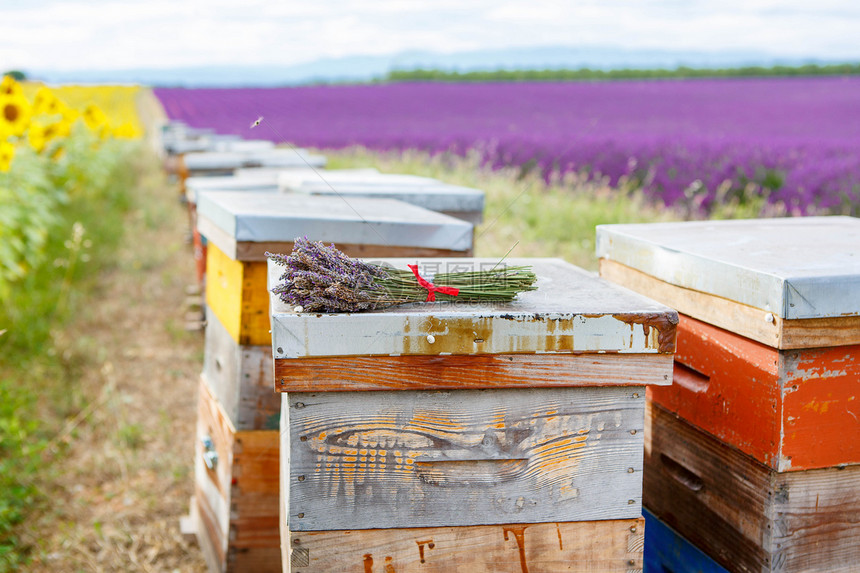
x,y
790,410
750,454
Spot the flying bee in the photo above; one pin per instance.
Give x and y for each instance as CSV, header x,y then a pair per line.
x,y
256,123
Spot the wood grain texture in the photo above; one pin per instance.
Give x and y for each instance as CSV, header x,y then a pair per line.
x,y
745,320
212,486
482,371
254,494
465,457
238,499
789,409
583,547
240,378
746,516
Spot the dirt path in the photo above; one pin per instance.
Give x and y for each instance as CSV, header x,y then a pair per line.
x,y
126,477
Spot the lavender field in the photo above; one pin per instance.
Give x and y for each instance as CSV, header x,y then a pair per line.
x,y
796,137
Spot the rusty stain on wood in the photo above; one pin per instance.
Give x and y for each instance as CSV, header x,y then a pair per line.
x,y
519,533
665,324
588,546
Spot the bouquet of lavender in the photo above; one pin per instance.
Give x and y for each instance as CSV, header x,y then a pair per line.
x,y
322,279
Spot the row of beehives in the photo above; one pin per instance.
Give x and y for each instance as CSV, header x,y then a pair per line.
x,y
511,437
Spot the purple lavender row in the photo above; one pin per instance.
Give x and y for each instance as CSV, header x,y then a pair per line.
x,y
798,136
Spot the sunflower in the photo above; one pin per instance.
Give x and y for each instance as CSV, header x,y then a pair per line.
x,y
40,134
9,87
46,102
36,136
14,114
125,131
7,152
94,117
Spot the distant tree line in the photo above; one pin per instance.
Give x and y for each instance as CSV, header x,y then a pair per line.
x,y
436,75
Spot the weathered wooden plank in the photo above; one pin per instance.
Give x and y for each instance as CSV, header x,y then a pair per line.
x,y
746,516
254,494
571,311
238,496
482,371
820,389
212,484
465,457
795,406
667,551
240,378
757,324
584,547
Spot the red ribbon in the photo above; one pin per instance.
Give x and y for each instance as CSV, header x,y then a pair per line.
x,y
431,288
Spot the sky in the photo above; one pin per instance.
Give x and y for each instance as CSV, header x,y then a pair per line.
x,y
127,34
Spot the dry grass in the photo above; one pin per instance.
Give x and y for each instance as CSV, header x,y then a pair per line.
x,y
122,476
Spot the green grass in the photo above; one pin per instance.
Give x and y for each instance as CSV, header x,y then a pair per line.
x,y
586,74
539,219
38,362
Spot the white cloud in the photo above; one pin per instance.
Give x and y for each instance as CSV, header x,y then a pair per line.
x,y
106,34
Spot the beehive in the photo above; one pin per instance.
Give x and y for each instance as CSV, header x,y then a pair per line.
x,y
196,185
242,227
766,380
461,202
237,498
500,433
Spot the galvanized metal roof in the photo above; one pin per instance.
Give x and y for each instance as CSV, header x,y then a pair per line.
x,y
795,268
265,217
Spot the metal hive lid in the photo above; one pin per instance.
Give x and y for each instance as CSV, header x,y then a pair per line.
x,y
278,217
795,268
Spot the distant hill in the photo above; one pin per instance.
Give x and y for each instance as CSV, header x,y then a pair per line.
x,y
368,68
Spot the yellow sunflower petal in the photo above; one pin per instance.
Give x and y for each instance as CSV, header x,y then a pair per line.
x,y
15,114
7,153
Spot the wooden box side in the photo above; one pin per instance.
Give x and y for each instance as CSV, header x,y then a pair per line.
x,y
821,408
465,457
746,516
483,371
728,386
224,283
212,484
816,520
240,377
715,496
579,547
255,537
